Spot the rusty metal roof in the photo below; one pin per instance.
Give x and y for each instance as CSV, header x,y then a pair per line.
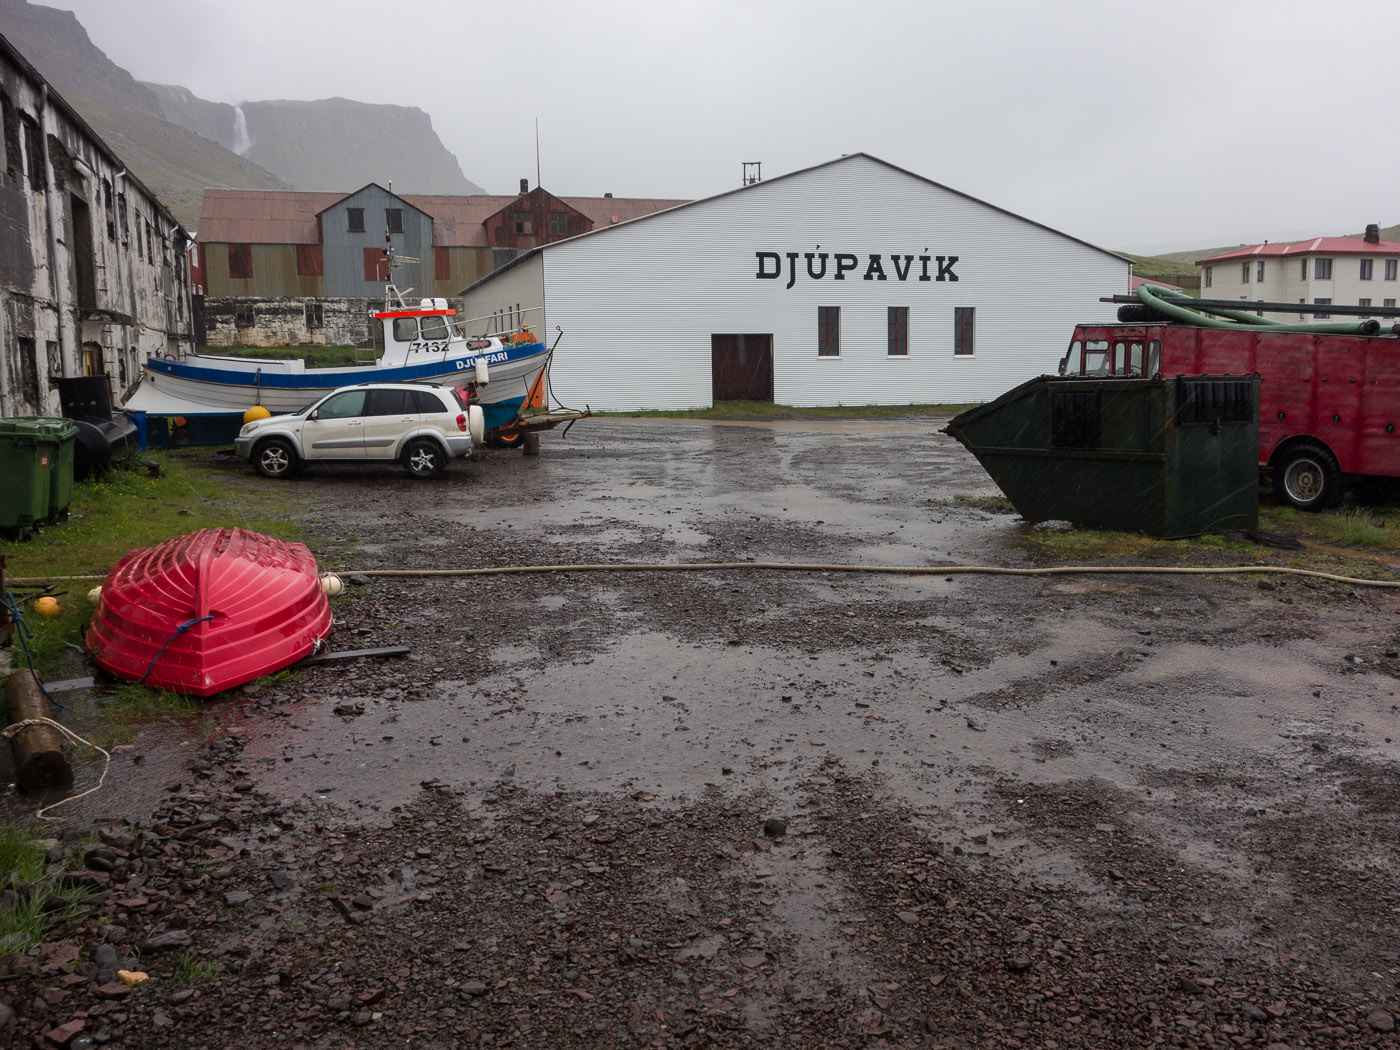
x,y
289,217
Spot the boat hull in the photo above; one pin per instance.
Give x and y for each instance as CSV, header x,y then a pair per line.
x,y
203,386
208,611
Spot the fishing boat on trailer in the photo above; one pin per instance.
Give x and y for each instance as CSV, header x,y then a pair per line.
x,y
425,343
208,611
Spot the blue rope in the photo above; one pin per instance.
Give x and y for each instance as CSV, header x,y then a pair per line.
x,y
24,635
181,629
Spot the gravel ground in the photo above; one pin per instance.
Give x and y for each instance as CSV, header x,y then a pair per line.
x,y
744,808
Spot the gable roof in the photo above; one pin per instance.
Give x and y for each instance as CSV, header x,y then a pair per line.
x,y
1318,245
372,186
289,217
844,159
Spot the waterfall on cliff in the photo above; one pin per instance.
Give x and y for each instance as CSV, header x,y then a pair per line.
x,y
241,142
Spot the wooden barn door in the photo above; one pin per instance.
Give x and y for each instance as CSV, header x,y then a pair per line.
x,y
741,367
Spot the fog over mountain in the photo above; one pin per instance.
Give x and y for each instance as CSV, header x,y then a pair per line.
x,y
180,144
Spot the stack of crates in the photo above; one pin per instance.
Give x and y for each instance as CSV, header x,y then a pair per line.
x,y
36,471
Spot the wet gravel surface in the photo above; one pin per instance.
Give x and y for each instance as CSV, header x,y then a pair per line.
x,y
745,808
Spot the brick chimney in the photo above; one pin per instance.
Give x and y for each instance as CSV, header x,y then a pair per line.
x,y
1373,233
524,185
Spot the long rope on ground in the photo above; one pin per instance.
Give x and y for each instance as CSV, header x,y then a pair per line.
x,y
783,566
11,730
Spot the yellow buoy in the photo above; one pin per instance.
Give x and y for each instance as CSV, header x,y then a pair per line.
x,y
47,606
331,585
255,413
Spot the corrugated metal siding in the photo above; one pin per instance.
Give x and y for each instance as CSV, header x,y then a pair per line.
x,y
344,250
466,266
520,287
639,303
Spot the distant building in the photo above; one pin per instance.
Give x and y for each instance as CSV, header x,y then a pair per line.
x,y
854,282
93,270
1318,273
1135,282
287,267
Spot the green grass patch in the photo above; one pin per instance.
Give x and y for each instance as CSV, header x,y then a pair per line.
x,y
31,907
20,855
191,970
1086,545
991,504
129,507
315,356
35,911
1370,528
758,411
133,706
109,516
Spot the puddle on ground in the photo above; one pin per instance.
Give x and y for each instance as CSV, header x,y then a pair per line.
x,y
669,718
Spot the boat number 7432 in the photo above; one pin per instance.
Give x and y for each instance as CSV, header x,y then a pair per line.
x,y
428,346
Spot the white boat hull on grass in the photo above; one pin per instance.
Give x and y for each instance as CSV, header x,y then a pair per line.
x,y
203,385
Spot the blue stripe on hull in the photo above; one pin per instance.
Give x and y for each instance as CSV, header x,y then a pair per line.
x,y
328,379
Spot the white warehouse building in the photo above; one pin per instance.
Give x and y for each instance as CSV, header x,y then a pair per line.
x,y
854,282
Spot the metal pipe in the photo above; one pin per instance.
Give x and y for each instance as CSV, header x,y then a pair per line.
x,y
1169,304
1278,308
58,286
5,406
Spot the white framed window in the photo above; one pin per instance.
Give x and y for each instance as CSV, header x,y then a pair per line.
x,y
1366,267
1322,269
964,325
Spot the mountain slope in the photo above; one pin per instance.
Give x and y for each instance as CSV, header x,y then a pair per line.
x,y
337,143
176,164
329,144
178,144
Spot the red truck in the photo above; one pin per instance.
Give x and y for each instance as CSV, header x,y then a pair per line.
x,y
1328,404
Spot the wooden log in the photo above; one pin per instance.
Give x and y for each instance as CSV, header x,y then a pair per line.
x,y
39,759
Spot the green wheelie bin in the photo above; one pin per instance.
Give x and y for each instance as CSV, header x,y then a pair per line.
x,y
58,439
25,477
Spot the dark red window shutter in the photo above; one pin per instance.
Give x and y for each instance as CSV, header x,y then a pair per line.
x,y
376,265
240,260
310,262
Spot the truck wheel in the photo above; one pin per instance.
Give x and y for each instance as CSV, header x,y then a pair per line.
x,y
423,459
275,458
1307,477
513,440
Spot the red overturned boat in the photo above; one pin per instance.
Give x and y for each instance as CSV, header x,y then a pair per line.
x,y
208,611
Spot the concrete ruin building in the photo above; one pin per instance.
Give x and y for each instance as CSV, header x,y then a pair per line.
x,y
94,272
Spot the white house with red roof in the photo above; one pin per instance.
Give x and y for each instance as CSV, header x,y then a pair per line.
x,y
1317,273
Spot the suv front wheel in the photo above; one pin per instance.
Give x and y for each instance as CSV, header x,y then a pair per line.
x,y
423,459
275,458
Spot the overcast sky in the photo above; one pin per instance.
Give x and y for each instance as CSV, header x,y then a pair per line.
x,y
1141,127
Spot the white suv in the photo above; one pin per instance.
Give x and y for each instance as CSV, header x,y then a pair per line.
x,y
420,425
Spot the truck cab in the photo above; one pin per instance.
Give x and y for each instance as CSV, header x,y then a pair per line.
x,y
1329,405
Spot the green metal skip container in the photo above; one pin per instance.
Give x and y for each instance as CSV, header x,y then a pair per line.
x,y
36,470
1165,457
